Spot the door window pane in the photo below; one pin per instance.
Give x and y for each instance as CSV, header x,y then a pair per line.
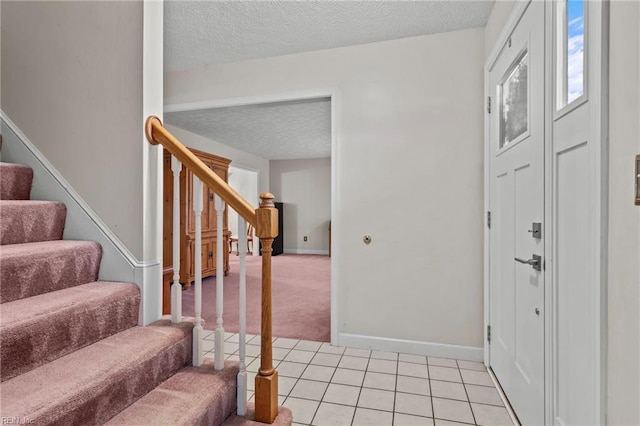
x,y
575,49
513,102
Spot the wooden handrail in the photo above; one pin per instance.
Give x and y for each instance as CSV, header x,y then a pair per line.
x,y
265,221
157,134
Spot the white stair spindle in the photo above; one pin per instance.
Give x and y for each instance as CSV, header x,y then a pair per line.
x,y
198,331
242,375
176,288
219,335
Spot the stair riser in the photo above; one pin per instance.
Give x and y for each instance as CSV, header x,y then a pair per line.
x,y
33,274
15,182
27,344
30,223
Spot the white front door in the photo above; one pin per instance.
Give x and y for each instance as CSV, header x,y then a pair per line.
x,y
516,193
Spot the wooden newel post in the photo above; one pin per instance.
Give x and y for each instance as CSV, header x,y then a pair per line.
x,y
267,378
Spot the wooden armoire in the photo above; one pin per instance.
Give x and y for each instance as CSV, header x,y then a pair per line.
x,y
187,223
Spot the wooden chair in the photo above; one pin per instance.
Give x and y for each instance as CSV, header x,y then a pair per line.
x,y
233,239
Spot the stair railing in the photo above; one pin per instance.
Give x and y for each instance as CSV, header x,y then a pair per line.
x,y
265,221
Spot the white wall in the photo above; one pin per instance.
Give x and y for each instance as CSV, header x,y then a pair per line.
x,y
305,188
623,353
72,82
409,173
78,79
245,182
238,158
498,18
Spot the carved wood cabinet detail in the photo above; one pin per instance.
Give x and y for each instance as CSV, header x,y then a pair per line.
x,y
220,166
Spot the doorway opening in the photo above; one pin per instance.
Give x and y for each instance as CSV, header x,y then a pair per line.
x,y
283,145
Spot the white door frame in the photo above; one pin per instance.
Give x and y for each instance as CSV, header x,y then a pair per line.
x,y
332,94
597,66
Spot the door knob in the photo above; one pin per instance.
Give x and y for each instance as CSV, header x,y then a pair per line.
x,y
535,262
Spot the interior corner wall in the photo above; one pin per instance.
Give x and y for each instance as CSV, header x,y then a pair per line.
x,y
72,82
304,186
499,14
238,158
409,169
623,293
245,182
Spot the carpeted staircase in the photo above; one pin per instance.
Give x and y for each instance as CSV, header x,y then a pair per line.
x,y
71,350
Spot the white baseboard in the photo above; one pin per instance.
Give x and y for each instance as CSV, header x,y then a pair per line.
x,y
305,251
118,263
441,350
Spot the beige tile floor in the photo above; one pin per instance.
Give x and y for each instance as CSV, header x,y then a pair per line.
x,y
328,385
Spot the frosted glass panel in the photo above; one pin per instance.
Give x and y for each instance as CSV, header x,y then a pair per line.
x,y
513,103
575,49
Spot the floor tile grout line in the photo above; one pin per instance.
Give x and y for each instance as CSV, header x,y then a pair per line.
x,y
298,380
468,400
325,391
360,392
433,411
365,371
386,390
395,392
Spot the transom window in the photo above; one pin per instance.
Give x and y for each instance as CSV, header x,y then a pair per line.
x,y
570,52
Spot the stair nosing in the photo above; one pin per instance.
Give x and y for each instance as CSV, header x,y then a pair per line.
x,y
54,301
7,251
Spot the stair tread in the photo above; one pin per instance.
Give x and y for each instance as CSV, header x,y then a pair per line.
x,y
40,329
16,181
26,221
13,166
194,395
29,269
5,164
26,310
68,384
4,203
39,248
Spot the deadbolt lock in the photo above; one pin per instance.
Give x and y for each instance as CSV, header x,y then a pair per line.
x,y
536,230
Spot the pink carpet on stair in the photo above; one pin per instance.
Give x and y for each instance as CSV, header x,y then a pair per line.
x,y
30,269
70,349
28,221
15,181
301,297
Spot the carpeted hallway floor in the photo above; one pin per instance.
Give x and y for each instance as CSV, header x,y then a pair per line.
x,y
301,297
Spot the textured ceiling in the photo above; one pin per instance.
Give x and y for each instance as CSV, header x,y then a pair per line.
x,y
276,131
200,33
